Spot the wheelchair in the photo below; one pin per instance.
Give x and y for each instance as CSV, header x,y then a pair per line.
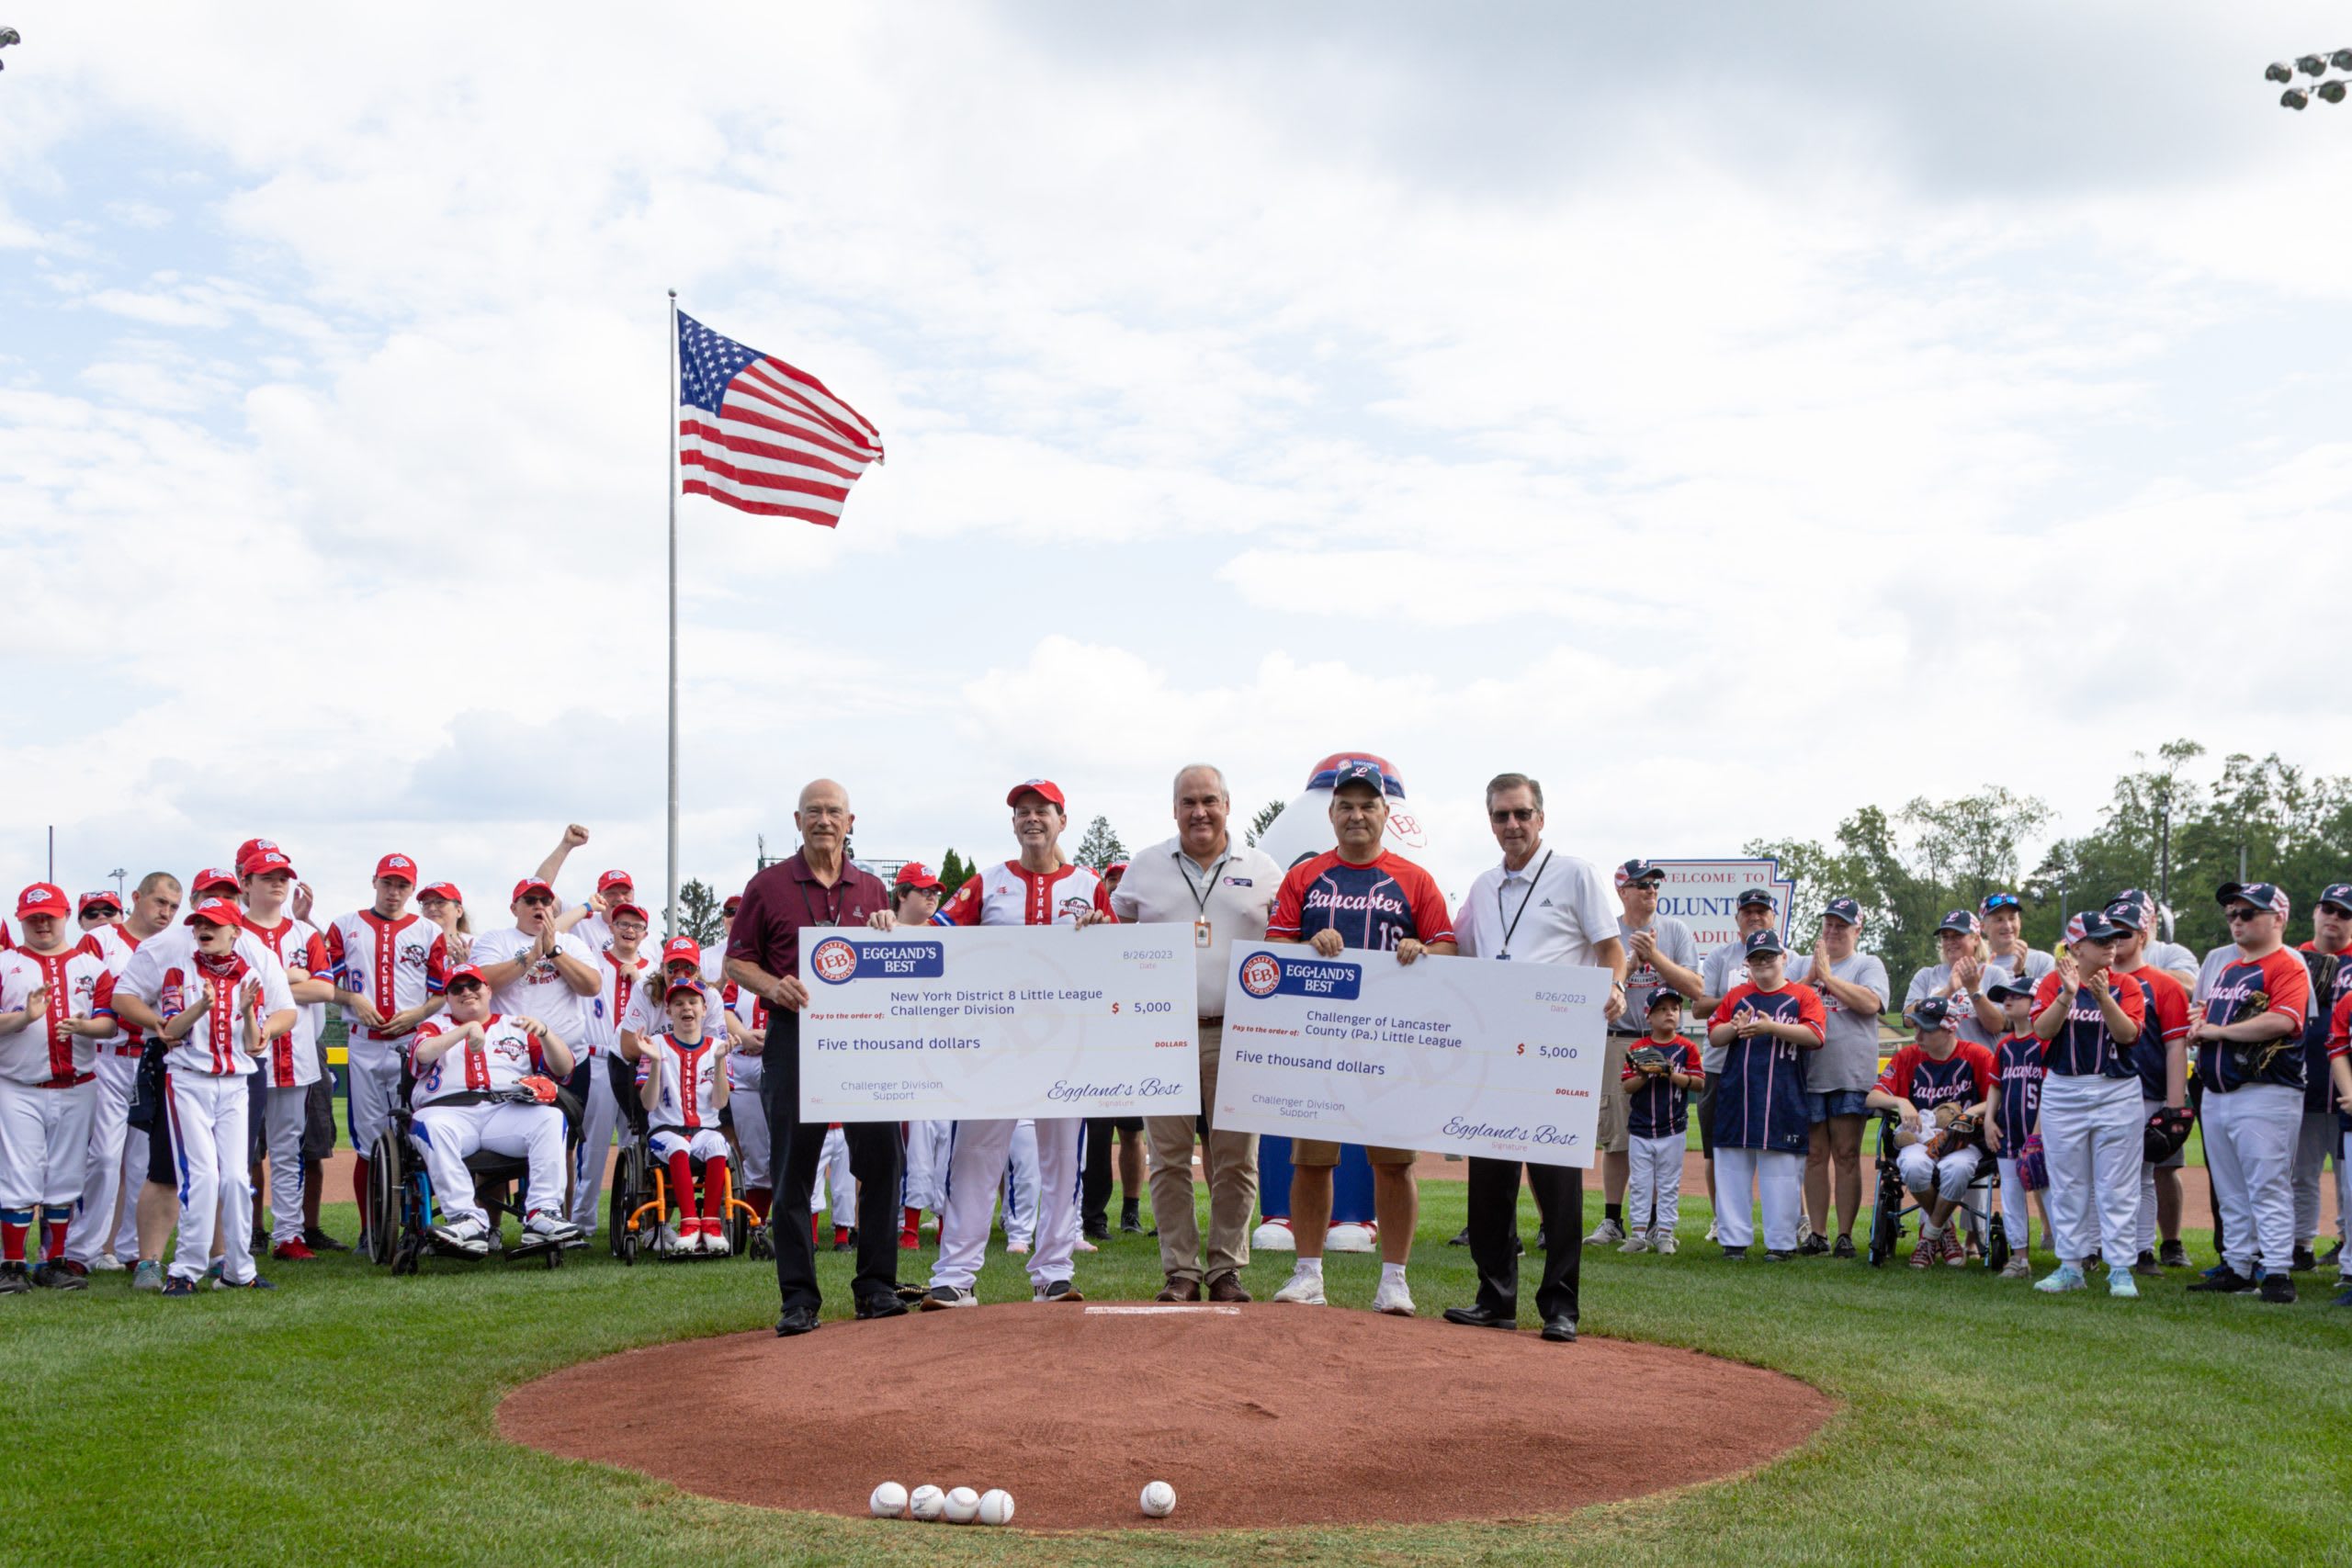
x,y
1891,1203
639,1209
400,1210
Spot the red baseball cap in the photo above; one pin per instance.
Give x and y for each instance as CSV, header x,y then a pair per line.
x,y
442,890
214,912
530,884
613,879
618,911
1118,865
466,972
734,902
213,876
398,866
261,862
681,986
42,899
682,948
253,847
914,874
89,901
1046,787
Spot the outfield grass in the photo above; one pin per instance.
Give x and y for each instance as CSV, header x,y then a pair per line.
x,y
348,1417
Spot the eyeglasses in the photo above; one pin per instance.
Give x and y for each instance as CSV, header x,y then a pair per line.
x,y
2244,912
1514,814
537,901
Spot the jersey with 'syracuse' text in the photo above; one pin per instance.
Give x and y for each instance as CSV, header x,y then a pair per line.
x,y
1372,908
1008,894
292,1059
1759,1094
688,1097
216,1046
505,1055
80,984
397,964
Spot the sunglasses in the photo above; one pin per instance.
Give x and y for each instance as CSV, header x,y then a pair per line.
x,y
2244,912
537,901
2001,901
1513,814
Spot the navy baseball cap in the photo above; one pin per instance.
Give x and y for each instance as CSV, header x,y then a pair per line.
x,y
1762,943
2261,895
2339,895
1931,1013
1635,871
2130,911
1961,921
1757,898
2092,925
1664,997
1845,910
1358,771
2009,986
2001,901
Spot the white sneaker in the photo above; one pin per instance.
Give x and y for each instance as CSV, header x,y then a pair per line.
x,y
549,1228
1394,1297
1666,1245
1635,1243
1608,1230
108,1263
1302,1288
1016,1250
1711,1231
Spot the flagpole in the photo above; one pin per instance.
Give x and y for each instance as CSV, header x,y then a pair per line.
x,y
670,916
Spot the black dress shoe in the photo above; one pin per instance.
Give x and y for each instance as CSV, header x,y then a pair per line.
x,y
1481,1316
1460,1237
880,1306
1560,1330
1543,1242
796,1320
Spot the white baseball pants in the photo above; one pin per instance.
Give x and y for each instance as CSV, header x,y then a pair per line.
x,y
2250,1149
976,1163
2017,1208
2091,1141
94,1220
600,1119
1923,1174
1023,1186
1653,1184
44,1141
2316,1143
705,1144
836,1189
285,1111
373,1083
1777,1178
450,1133
210,1142
750,1120
924,1184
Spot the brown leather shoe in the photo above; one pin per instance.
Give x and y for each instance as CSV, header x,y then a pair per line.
x,y
1228,1287
1179,1291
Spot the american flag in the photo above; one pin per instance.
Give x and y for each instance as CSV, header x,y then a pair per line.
x,y
758,434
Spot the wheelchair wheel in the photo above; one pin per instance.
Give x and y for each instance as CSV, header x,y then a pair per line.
x,y
1886,1224
407,1253
625,1247
739,1221
1996,1245
628,1195
762,1244
386,1196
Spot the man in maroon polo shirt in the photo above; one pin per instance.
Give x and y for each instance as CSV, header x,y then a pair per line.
x,y
816,886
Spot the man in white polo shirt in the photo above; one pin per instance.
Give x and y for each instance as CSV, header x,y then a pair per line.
x,y
1537,907
1223,892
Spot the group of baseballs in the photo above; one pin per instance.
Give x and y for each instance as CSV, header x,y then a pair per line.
x,y
962,1505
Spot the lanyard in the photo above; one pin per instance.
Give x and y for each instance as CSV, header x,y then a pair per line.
x,y
1532,884
1208,881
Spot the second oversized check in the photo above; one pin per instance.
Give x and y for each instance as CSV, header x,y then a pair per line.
x,y
948,1022
1453,1055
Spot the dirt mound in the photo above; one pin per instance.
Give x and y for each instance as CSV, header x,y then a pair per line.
x,y
1259,1415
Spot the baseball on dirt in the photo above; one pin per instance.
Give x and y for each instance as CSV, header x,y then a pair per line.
x,y
927,1504
996,1506
889,1502
963,1505
1159,1500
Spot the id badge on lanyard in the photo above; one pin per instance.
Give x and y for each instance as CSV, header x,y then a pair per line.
x,y
1201,935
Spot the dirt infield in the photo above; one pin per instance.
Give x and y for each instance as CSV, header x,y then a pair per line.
x,y
1259,1415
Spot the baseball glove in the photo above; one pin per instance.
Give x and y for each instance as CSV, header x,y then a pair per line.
x,y
2032,1168
1646,1058
2166,1131
1955,1130
532,1090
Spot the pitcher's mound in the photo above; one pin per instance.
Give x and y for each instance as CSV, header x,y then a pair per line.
x,y
1258,1415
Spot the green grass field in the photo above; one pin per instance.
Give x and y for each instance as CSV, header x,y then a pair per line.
x,y
348,1417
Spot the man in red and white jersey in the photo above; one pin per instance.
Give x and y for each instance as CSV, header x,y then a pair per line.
x,y
468,1064
55,990
683,1069
292,1066
623,971
220,1007
389,966
1040,888
744,1067
118,1154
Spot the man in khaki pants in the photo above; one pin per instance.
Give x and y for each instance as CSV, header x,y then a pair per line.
x,y
1221,892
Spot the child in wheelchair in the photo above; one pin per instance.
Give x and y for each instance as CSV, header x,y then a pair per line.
x,y
1938,1089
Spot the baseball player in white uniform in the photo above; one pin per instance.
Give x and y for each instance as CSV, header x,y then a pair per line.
x,y
389,966
682,1070
1040,888
55,989
468,1066
744,1068
118,1159
293,1063
622,971
221,1009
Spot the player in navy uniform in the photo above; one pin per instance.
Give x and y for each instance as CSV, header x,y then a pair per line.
x,y
1763,1121
1658,1121
1936,1070
1358,896
2091,1124
2016,1115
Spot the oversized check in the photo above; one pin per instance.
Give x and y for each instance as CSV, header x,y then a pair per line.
x,y
950,1021
1454,1056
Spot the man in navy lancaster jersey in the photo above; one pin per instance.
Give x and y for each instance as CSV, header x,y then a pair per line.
x,y
1358,896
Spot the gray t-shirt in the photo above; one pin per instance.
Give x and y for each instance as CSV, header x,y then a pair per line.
x,y
1848,1056
1726,967
1674,941
1935,980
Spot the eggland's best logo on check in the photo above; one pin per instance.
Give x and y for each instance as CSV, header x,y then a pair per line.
x,y
1453,1055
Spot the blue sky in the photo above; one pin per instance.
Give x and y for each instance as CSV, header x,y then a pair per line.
x,y
1730,417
